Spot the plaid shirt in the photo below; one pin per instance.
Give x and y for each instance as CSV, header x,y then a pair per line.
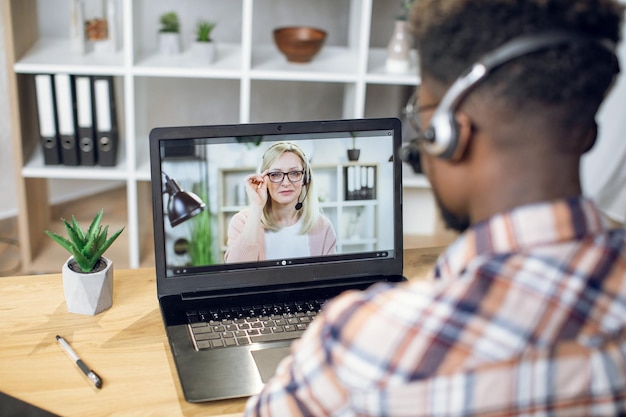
x,y
526,315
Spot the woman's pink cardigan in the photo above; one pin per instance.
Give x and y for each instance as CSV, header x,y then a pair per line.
x,y
322,240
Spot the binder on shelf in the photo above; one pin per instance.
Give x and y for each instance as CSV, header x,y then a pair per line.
x,y
359,182
48,135
64,90
106,120
85,120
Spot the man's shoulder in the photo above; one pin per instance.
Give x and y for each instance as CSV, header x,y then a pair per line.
x,y
559,255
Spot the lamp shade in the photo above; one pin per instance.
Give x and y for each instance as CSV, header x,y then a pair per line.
x,y
182,205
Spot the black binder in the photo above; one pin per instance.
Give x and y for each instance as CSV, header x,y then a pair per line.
x,y
359,182
65,99
106,120
48,134
85,120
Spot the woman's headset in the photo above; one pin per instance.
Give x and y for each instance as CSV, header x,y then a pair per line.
x,y
441,138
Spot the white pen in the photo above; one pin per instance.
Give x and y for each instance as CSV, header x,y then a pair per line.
x,y
90,374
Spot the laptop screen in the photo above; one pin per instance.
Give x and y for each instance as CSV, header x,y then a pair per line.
x,y
274,203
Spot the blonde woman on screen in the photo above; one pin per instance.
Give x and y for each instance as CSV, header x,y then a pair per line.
x,y
283,219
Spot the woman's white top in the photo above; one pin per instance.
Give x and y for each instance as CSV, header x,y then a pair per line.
x,y
287,243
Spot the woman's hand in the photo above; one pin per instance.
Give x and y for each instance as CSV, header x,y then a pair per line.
x,y
256,188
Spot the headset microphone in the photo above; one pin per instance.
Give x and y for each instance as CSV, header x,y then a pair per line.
x,y
300,203
305,183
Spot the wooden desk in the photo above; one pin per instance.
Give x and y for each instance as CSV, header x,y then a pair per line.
x,y
125,345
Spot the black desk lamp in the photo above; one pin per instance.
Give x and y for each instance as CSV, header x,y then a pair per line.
x,y
182,205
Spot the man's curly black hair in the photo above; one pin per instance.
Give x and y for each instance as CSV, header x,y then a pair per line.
x,y
452,34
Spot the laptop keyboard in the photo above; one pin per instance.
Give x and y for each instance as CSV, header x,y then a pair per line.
x,y
237,326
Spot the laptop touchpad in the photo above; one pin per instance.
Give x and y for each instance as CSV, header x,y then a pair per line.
x,y
267,360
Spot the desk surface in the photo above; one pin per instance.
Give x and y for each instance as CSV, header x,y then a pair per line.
x,y
126,346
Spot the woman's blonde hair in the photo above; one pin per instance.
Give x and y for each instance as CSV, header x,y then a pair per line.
x,y
309,212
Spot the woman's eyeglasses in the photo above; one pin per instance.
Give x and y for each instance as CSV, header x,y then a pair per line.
x,y
292,176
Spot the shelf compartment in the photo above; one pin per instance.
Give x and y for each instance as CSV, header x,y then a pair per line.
x,y
183,102
390,100
227,35
296,100
34,166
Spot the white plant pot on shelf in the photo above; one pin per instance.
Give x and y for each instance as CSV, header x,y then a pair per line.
x,y
204,51
104,46
88,293
169,43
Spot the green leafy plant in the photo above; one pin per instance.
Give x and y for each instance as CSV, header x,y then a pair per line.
x,y
203,30
169,23
353,135
201,236
405,9
87,247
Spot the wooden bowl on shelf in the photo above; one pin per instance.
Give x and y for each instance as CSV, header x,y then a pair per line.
x,y
299,43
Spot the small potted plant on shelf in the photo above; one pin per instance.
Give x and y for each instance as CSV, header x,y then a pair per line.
x,y
87,274
169,34
354,153
204,46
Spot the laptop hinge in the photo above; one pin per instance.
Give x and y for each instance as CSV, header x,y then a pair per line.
x,y
332,286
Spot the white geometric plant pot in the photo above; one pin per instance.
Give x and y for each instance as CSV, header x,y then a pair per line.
x,y
204,51
169,43
88,293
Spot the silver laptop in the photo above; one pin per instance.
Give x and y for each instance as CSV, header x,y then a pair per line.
x,y
230,323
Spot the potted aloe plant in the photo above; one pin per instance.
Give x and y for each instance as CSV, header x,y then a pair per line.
x,y
87,274
204,46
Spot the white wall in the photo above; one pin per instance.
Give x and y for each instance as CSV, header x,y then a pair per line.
x,y
604,169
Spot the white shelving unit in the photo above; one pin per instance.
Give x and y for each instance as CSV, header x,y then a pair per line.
x,y
249,82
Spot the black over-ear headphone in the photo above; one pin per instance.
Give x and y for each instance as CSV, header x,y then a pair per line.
x,y
442,137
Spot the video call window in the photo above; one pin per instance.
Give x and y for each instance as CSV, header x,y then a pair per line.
x,y
351,182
